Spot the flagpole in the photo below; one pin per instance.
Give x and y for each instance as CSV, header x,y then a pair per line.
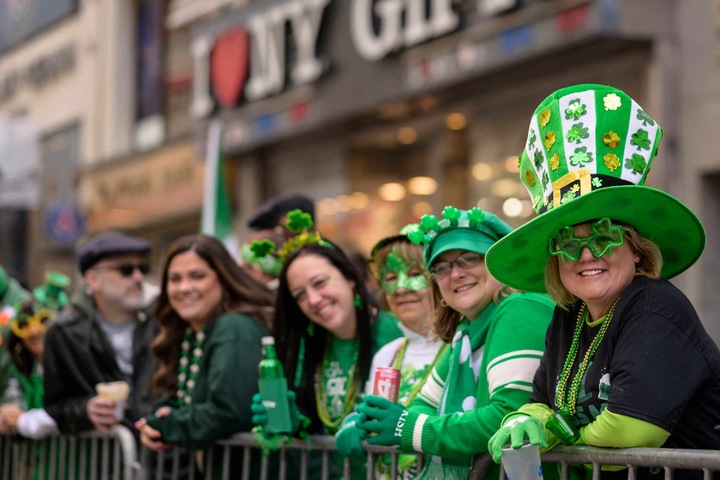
x,y
212,161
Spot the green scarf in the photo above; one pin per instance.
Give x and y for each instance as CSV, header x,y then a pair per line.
x,y
460,392
32,386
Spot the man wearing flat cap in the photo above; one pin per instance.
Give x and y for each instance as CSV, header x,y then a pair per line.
x,y
103,336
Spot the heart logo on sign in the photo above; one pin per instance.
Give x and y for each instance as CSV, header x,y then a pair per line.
x,y
229,66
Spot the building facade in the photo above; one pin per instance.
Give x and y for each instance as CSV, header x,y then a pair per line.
x,y
381,110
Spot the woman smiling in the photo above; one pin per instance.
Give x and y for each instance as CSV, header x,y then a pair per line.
x,y
496,341
628,363
212,316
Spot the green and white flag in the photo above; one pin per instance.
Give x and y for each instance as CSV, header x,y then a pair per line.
x,y
217,218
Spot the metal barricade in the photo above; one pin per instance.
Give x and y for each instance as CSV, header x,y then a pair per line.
x,y
243,444
87,456
96,455
669,460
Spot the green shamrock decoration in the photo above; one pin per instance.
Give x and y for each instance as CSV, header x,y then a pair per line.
x,y
262,247
428,222
475,216
416,237
395,263
577,132
451,214
645,118
575,110
298,221
531,140
581,157
636,162
641,140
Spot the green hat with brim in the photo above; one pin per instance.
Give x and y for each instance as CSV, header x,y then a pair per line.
x,y
589,150
472,230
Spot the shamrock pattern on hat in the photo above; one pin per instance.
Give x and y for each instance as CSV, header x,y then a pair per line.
x,y
591,138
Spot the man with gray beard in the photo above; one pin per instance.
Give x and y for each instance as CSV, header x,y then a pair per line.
x,y
103,336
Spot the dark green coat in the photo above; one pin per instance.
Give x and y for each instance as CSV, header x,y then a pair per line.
x,y
224,387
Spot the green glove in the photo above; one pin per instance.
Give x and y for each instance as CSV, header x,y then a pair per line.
x,y
348,439
259,411
260,417
268,442
514,432
384,418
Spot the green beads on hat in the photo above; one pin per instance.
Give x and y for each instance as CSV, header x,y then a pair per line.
x,y
584,138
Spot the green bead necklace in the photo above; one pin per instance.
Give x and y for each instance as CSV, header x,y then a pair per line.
x,y
397,364
188,369
568,407
321,397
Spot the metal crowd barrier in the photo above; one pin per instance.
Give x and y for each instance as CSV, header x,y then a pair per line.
x,y
669,460
87,456
115,456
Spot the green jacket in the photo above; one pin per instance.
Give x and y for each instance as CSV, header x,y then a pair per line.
x,y
225,385
507,340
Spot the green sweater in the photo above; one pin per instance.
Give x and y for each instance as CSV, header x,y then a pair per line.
x,y
224,387
507,341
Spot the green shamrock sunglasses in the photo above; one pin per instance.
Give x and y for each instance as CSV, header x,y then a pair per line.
x,y
605,238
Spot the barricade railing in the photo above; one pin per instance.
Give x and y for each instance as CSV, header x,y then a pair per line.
x,y
669,460
86,456
114,455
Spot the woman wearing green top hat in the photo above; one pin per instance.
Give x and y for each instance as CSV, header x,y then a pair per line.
x,y
628,363
496,341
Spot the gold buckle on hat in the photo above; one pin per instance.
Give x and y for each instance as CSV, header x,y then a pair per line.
x,y
583,176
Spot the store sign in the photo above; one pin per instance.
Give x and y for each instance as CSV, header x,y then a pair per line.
x,y
251,61
379,27
163,183
38,73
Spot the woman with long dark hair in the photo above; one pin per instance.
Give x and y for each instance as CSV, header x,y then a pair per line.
x,y
327,329
212,316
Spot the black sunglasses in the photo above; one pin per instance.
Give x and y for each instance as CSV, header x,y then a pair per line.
x,y
127,269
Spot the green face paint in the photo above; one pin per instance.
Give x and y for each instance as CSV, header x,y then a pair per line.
x,y
396,273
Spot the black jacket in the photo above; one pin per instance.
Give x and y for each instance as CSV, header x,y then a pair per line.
x,y
78,356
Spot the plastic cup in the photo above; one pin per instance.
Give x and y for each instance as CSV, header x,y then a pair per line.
x,y
523,463
117,392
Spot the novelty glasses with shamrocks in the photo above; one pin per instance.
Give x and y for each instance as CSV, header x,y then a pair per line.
x,y
604,238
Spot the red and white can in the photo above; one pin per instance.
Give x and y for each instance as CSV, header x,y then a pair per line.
x,y
387,383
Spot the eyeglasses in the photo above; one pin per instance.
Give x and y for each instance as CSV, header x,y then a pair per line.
x,y
127,269
605,238
467,260
23,325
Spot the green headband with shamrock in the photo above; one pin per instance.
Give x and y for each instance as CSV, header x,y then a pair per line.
x,y
472,230
298,222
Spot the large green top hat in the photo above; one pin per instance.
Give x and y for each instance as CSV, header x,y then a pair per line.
x,y
588,153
